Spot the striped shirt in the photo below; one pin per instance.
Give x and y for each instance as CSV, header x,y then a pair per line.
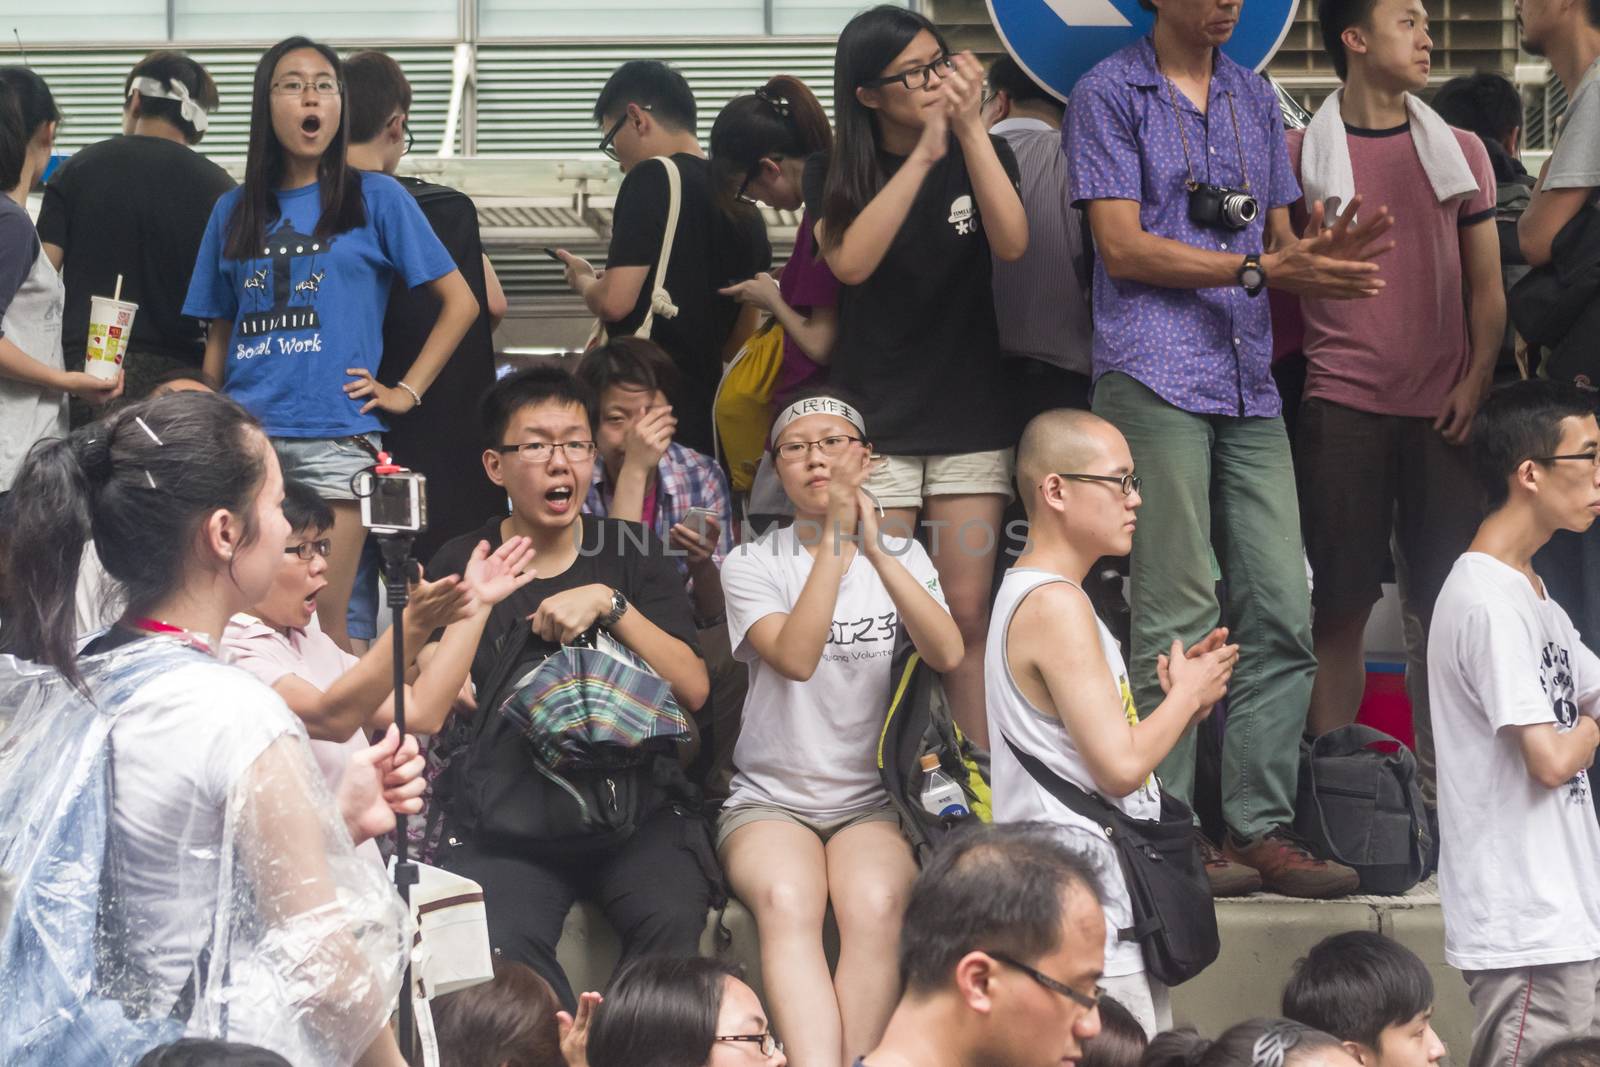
x,y
1042,300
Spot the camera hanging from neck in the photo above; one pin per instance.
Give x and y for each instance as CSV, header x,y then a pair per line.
x,y
1214,205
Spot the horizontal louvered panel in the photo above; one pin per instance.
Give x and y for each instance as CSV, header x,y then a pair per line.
x,y
539,99
598,18
87,85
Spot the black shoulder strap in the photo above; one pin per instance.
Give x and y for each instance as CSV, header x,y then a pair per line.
x,y
504,665
1084,803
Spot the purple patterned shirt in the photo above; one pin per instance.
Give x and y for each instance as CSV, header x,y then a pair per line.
x,y
1208,351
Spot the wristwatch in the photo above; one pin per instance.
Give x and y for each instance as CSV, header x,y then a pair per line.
x,y
619,608
1252,278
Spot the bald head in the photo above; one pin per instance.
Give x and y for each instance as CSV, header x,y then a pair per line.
x,y
1058,441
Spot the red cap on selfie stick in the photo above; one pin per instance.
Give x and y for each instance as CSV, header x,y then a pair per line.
x,y
386,465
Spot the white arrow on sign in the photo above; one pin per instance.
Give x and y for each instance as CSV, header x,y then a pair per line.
x,y
1087,12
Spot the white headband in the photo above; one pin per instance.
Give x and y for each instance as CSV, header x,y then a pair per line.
x,y
192,112
817,405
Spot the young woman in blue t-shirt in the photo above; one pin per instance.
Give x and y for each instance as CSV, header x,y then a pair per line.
x,y
294,275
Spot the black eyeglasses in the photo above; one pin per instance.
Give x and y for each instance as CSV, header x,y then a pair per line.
x,y
1592,457
832,445
916,77
750,176
1084,1001
1130,483
309,550
411,138
607,144
765,1042
543,451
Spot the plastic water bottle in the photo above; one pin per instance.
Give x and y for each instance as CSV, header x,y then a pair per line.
x,y
941,794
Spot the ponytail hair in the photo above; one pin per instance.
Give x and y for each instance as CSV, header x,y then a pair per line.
x,y
1255,1043
141,483
869,43
783,118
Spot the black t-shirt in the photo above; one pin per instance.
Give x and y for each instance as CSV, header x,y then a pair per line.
x,y
435,439
135,206
711,250
609,554
917,341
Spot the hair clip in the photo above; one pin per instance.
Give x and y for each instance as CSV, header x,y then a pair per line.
x,y
148,477
1272,1047
774,101
149,432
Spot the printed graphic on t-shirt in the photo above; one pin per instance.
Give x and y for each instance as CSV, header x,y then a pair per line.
x,y
864,638
280,294
1555,675
963,216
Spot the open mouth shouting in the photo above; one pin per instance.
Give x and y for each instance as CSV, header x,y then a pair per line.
x,y
559,499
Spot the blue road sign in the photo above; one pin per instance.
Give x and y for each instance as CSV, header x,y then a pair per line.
x,y
1057,41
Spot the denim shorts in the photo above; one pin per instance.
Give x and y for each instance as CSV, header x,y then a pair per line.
x,y
326,464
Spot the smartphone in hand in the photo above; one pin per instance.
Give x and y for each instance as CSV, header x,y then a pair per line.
x,y
696,520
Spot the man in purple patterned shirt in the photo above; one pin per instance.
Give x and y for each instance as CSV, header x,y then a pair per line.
x,y
1182,354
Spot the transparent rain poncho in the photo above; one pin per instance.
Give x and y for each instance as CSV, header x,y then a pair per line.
x,y
180,870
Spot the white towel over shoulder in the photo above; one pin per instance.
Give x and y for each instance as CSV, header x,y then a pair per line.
x,y
1325,154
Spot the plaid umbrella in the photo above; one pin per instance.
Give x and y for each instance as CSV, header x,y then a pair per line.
x,y
588,707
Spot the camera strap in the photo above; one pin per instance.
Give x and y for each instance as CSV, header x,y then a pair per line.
x,y
1238,141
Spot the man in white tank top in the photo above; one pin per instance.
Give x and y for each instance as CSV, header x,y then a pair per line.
x,y
1056,685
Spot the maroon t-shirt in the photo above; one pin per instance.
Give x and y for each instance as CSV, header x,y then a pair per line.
x,y
1402,351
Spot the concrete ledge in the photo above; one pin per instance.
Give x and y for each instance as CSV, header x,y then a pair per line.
x,y
1262,937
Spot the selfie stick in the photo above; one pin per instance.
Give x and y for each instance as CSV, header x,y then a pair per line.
x,y
397,572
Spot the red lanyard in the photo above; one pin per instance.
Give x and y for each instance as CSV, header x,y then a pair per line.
x,y
156,626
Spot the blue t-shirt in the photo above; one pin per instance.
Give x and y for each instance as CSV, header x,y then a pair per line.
x,y
310,308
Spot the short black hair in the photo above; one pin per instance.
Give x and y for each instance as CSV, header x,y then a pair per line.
x,y
1573,1052
169,68
374,89
1337,16
1516,423
13,142
660,1011
199,1052
533,385
989,888
1006,75
629,361
1484,103
1356,984
304,507
1121,1041
25,105
648,83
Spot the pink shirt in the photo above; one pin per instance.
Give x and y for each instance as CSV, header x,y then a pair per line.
x,y
310,655
1402,351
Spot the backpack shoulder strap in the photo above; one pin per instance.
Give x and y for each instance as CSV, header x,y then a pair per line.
x,y
658,294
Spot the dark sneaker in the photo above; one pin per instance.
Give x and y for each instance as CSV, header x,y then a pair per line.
x,y
1287,866
1227,878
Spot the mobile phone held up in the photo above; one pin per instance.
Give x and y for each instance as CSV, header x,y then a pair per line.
x,y
696,520
552,254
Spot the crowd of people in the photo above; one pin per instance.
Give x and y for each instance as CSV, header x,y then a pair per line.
x,y
1018,346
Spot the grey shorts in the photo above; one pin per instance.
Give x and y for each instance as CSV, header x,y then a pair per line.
x,y
733,818
326,464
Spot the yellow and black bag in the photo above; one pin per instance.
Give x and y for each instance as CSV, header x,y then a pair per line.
x,y
919,722
743,405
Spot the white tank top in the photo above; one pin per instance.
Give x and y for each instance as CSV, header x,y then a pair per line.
x,y
1017,797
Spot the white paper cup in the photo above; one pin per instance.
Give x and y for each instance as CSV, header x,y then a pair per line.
x,y
110,322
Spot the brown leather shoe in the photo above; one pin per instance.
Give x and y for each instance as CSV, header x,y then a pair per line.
x,y
1289,868
1227,878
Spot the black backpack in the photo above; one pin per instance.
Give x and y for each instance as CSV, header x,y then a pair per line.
x,y
493,788
1360,804
918,721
